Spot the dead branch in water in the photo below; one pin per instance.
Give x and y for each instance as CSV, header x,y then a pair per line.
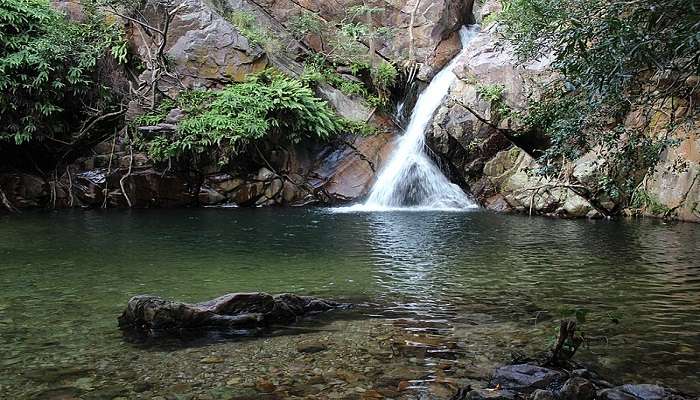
x,y
567,343
547,186
105,191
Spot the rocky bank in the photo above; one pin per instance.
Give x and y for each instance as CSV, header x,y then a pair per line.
x,y
206,50
499,171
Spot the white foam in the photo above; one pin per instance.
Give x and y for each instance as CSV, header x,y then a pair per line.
x,y
411,181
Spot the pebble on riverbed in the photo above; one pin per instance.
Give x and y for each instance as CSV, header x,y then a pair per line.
x,y
362,359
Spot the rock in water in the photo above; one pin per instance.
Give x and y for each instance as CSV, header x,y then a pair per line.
x,y
525,377
238,313
578,388
490,394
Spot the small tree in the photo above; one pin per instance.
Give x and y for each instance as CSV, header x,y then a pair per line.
x,y
47,70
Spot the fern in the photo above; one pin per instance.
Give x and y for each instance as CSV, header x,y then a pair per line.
x,y
266,104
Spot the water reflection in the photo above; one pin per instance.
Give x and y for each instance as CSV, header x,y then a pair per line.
x,y
411,256
65,276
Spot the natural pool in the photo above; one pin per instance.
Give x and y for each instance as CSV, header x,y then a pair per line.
x,y
471,288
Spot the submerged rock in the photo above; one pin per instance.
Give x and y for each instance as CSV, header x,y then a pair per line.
x,y
311,347
490,394
578,388
525,377
647,391
235,313
541,394
614,394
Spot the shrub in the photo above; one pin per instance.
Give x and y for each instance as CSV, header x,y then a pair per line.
x,y
326,73
307,23
494,95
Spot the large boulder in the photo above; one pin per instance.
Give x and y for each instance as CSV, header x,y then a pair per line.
x,y
577,388
202,47
464,131
614,394
338,172
642,391
647,391
480,157
490,394
672,189
511,180
143,187
236,313
347,172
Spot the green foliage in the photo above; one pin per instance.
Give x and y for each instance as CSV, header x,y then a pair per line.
x,y
603,45
247,25
306,23
491,93
490,19
375,101
47,65
494,95
384,76
645,200
358,128
344,42
316,73
363,11
356,67
156,116
312,75
613,56
268,104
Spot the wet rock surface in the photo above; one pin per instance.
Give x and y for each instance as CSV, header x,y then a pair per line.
x,y
432,26
491,394
236,313
529,381
525,377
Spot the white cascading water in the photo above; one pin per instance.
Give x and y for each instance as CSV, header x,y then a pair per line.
x,y
411,180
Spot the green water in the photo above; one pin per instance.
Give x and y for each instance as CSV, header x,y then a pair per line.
x,y
65,277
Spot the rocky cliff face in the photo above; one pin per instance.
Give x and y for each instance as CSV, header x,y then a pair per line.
x,y
205,50
468,136
425,31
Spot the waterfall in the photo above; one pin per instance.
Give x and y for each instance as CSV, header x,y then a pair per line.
x,y
411,180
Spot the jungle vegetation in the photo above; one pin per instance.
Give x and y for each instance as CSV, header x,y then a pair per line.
x,y
613,57
50,71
